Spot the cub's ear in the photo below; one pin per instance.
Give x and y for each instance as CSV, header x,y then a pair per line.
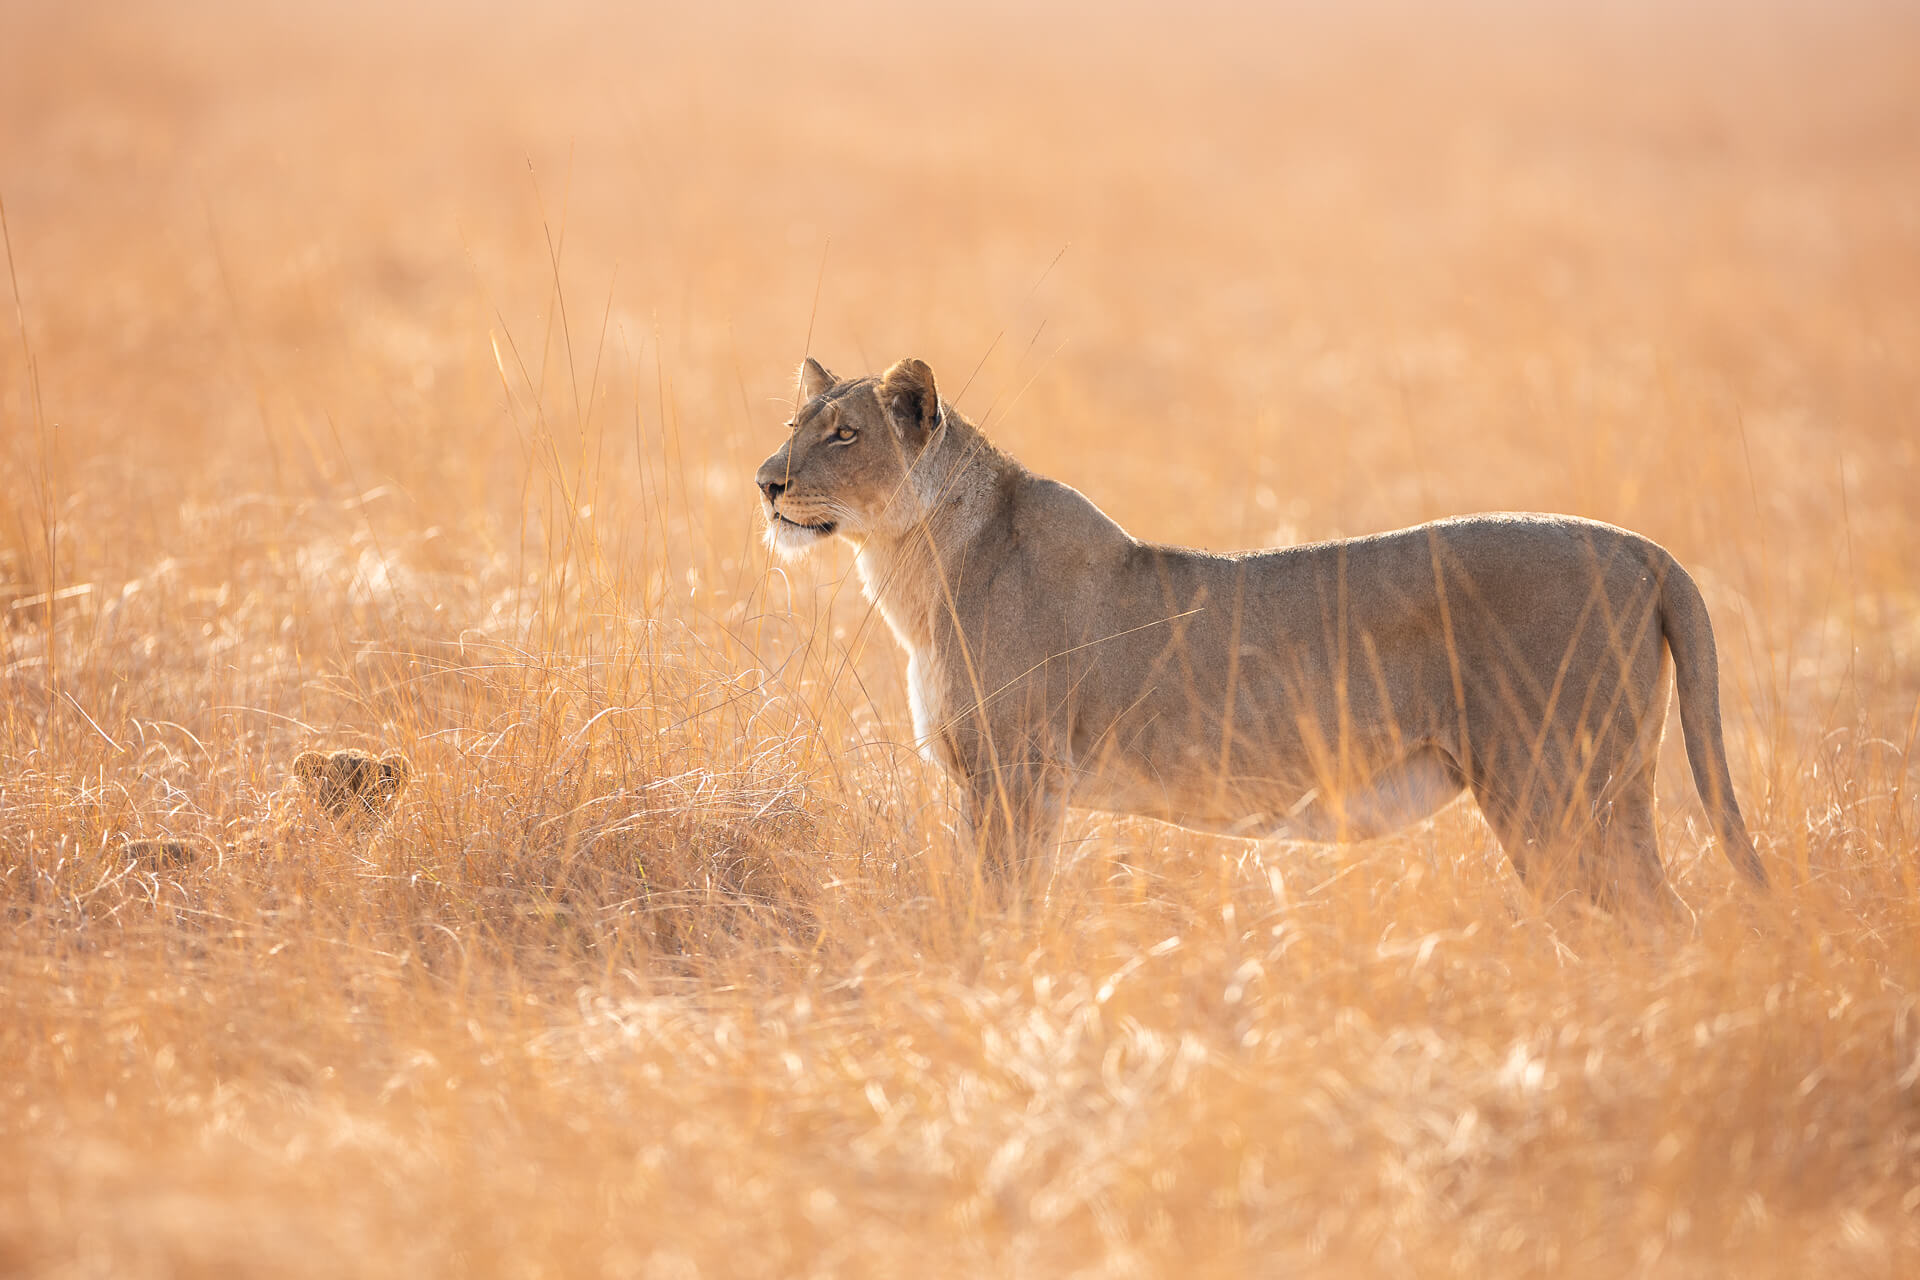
x,y
912,403
395,770
814,379
309,765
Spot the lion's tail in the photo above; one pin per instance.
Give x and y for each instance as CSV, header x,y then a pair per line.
x,y
1696,675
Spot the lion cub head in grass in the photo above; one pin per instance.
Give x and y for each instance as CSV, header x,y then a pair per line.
x,y
852,463
351,784
346,788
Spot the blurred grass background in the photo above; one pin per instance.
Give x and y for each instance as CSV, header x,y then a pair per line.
x,y
395,379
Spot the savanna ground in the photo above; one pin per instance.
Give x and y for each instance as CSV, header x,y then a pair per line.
x,y
395,380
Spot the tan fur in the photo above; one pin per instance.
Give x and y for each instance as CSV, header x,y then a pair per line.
x,y
164,851
1335,691
352,783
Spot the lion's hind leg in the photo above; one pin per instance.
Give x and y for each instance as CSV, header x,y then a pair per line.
x,y
1621,867
1604,851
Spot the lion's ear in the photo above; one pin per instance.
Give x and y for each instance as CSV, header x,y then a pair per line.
x,y
814,379
309,765
912,403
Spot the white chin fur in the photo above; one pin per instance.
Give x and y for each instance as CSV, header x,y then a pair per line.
x,y
791,541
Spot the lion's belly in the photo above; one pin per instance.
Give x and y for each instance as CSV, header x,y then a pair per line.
x,y
1382,795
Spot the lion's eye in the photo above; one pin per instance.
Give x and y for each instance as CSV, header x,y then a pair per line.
x,y
844,434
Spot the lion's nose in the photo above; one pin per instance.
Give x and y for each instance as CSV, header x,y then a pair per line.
x,y
772,488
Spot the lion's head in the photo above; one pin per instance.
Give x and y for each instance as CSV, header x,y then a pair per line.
x,y
352,783
849,466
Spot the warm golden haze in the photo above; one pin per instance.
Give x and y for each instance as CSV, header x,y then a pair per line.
x,y
393,378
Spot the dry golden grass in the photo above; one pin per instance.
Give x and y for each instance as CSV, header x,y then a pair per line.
x,y
397,381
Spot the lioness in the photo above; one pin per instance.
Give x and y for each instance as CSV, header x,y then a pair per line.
x,y
1335,691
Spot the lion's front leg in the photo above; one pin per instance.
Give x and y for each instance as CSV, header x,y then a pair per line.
x,y
1013,814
